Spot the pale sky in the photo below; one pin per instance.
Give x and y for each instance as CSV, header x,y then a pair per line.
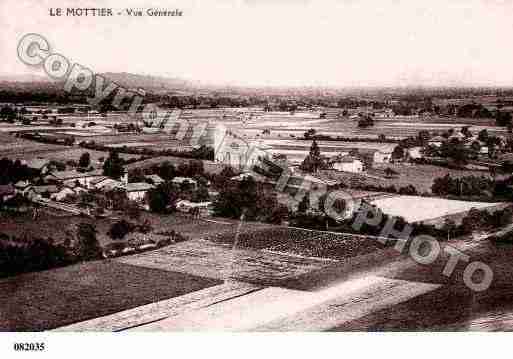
x,y
280,42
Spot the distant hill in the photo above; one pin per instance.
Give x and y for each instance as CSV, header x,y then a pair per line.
x,y
151,83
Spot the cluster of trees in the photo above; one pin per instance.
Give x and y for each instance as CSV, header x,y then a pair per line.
x,y
56,140
463,186
113,165
14,171
474,220
365,121
200,153
473,110
410,189
163,198
21,255
121,228
472,186
251,199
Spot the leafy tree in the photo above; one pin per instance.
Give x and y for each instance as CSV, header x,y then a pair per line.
x,y
88,245
483,135
119,229
136,175
162,198
465,130
309,134
313,161
366,121
85,160
113,166
503,119
200,195
398,152
304,205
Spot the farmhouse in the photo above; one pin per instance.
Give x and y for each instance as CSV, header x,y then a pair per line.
x,y
414,153
137,191
183,180
382,156
107,184
154,179
63,193
199,208
347,164
22,186
436,141
84,179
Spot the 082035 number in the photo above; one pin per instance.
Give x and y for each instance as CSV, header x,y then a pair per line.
x,y
26,347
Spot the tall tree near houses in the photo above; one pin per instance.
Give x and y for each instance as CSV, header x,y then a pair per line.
x,y
313,161
113,166
85,160
304,205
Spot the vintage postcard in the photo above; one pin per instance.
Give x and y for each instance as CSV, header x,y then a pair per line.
x,y
255,166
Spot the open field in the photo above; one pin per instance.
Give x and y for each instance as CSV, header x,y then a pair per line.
x,y
75,153
14,148
282,125
18,148
421,209
452,307
213,260
420,176
50,299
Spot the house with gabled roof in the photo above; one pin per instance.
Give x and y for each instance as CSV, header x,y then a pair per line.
x,y
137,191
83,178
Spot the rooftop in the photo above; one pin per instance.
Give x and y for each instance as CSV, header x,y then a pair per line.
x,y
65,175
183,179
37,163
138,186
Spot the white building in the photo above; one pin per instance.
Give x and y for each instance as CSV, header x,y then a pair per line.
x,y
137,191
414,153
63,193
348,164
107,184
382,156
84,179
182,180
201,208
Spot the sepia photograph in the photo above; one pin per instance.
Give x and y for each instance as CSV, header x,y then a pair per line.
x,y
254,166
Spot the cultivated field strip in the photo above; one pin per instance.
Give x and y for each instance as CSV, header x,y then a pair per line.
x,y
207,259
280,309
136,317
